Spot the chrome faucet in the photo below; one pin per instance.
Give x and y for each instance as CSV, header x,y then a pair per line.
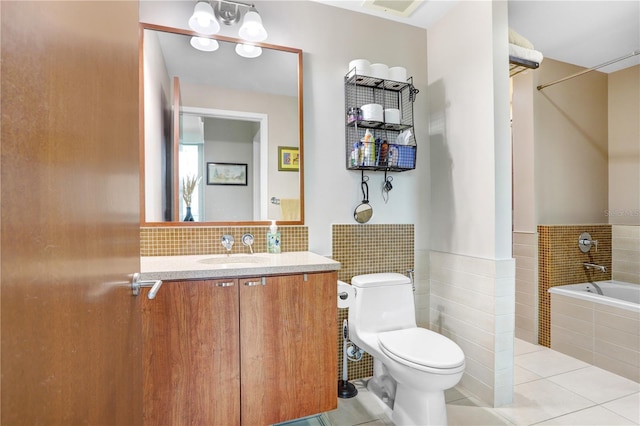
x,y
597,287
227,241
588,266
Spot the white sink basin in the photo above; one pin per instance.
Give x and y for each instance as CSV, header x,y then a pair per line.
x,y
235,260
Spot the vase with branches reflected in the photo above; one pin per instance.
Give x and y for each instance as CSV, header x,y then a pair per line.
x,y
189,184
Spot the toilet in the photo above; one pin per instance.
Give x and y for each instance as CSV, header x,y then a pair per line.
x,y
413,366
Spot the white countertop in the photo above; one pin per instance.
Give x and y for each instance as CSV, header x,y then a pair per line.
x,y
234,265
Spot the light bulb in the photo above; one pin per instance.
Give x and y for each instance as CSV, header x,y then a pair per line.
x,y
248,50
203,20
252,28
204,44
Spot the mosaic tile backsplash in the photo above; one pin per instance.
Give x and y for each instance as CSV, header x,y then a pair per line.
x,y
560,262
367,249
198,240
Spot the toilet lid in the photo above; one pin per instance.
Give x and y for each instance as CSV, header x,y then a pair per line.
x,y
422,347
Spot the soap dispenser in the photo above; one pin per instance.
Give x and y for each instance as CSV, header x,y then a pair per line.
x,y
273,238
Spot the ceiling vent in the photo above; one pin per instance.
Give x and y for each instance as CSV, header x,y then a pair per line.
x,y
402,8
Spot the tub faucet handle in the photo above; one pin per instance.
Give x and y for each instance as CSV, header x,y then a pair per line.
x,y
585,242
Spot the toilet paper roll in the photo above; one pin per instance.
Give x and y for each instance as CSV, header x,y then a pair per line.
x,y
372,112
362,66
379,71
392,115
350,292
398,74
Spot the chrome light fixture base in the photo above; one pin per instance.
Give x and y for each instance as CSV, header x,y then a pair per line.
x,y
228,14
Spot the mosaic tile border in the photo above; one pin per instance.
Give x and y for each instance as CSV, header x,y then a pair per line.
x,y
197,240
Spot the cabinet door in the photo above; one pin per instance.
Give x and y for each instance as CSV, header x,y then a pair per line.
x,y
288,347
319,311
191,372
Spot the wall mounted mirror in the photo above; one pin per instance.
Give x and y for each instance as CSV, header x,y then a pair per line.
x,y
232,123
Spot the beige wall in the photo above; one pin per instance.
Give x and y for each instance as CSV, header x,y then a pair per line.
x,y
570,146
624,146
577,146
523,136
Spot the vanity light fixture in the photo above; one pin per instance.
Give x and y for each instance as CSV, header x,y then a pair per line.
x,y
203,21
248,50
205,44
206,19
252,28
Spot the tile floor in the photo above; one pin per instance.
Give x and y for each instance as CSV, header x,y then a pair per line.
x,y
550,389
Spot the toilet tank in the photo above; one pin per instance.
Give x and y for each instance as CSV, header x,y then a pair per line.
x,y
383,302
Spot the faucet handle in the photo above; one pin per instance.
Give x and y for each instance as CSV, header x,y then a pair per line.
x,y
247,240
585,242
227,241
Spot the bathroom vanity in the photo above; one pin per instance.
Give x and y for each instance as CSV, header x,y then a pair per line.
x,y
243,339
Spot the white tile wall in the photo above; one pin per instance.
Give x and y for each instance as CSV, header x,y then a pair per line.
x,y
473,303
626,253
525,252
604,336
421,280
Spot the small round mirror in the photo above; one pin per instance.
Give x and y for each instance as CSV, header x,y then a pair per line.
x,y
363,213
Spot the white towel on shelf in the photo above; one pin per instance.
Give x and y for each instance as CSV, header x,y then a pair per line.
x,y
518,40
524,53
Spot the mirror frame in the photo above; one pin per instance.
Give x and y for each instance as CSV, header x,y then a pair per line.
x,y
146,26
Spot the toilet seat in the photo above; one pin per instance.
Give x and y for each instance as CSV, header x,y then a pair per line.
x,y
422,349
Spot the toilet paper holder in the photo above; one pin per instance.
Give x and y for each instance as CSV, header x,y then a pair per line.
x,y
346,294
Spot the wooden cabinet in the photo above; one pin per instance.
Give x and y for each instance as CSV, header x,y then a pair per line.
x,y
288,348
191,354
251,351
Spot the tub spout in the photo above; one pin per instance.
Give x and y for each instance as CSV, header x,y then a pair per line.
x,y
588,266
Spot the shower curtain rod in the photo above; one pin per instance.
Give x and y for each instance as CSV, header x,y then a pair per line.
x,y
634,53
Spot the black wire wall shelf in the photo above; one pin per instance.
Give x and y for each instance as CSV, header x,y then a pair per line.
x,y
375,144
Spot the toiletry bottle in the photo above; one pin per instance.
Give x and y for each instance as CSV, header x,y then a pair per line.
x,y
273,238
368,148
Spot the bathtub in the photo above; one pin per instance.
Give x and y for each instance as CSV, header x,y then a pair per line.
x,y
602,330
614,293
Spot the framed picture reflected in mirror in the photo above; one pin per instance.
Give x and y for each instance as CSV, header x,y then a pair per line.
x,y
226,174
288,159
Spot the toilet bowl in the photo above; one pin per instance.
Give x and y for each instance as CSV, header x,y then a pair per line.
x,y
421,362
